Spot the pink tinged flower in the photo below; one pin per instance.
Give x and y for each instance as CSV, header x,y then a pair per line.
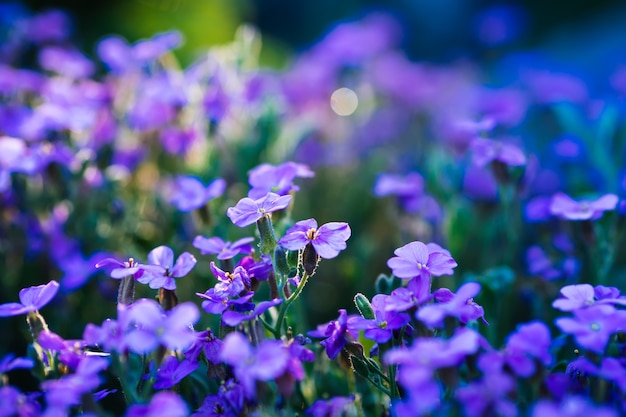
x,y
31,299
163,276
487,150
565,207
416,259
328,240
266,362
247,211
150,327
460,305
593,326
223,250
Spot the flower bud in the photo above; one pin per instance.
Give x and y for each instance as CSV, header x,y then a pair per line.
x,y
280,261
310,259
364,306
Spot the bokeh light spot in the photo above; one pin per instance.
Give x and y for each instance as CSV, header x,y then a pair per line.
x,y
344,101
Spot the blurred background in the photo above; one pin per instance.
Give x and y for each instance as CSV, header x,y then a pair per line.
x,y
440,30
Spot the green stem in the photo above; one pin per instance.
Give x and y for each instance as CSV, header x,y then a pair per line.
x,y
285,306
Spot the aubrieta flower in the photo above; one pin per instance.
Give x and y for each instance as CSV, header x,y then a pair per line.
x,y
223,250
579,296
593,326
265,362
490,394
215,303
164,403
10,362
150,327
328,240
32,299
188,193
230,284
234,318
460,305
337,334
333,407
247,211
566,208
276,179
416,259
611,369
416,293
164,275
127,268
15,403
487,150
380,329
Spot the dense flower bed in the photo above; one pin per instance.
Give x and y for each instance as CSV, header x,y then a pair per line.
x,y
161,228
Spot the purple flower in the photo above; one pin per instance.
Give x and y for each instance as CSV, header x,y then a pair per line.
x,y
266,362
163,277
583,295
571,407
234,318
414,294
410,185
381,328
337,334
267,178
208,343
188,193
126,269
487,150
223,250
14,403
333,407
460,305
32,299
215,303
10,362
172,372
248,211
230,284
488,395
164,403
417,259
150,326
566,208
611,369
593,326
328,240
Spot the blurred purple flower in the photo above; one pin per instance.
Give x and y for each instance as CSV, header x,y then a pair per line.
x,y
579,296
593,326
500,24
328,240
248,211
265,362
69,63
205,342
408,185
489,395
527,345
164,403
10,362
14,403
171,372
566,208
480,183
69,352
460,305
267,178
188,193
164,276
159,44
574,406
552,87
487,150
150,327
50,26
333,407
417,259
32,299
116,53
223,250
233,318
